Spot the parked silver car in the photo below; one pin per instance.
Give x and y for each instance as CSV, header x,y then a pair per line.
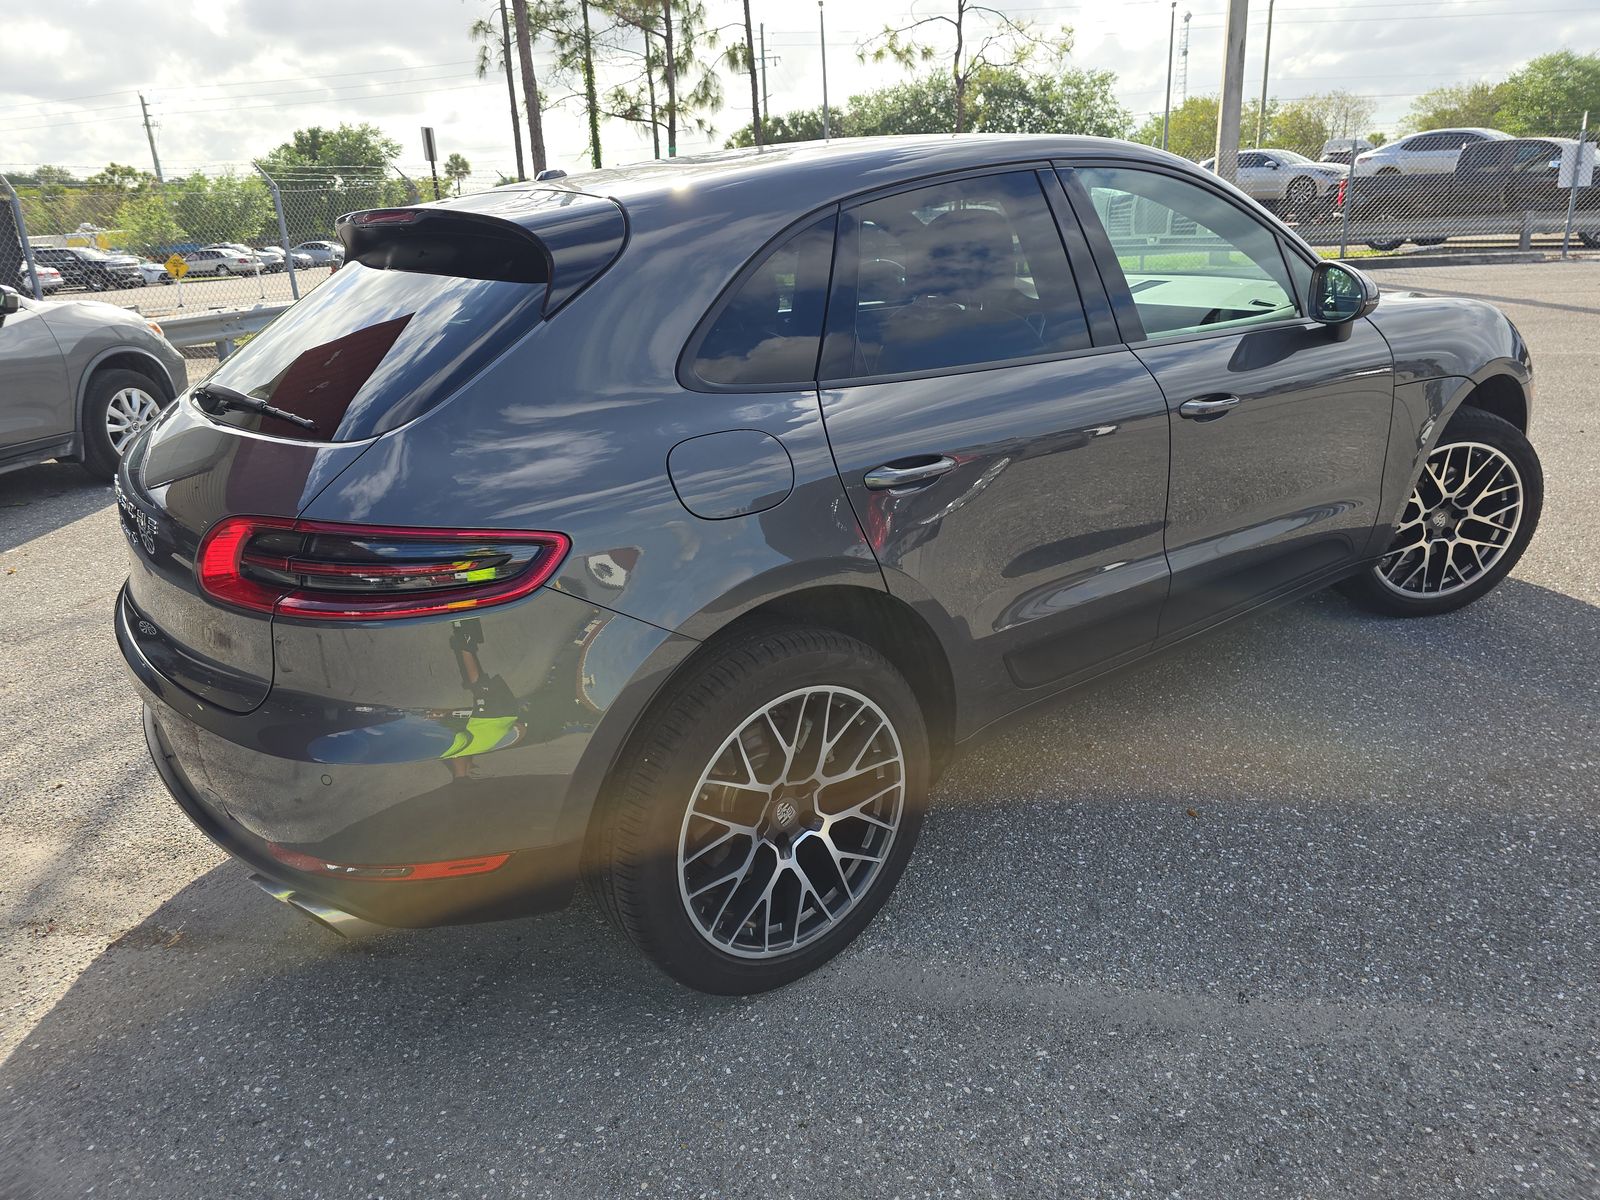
x,y
213,261
323,254
1282,176
81,379
1431,152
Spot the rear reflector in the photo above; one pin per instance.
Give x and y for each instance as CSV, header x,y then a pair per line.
x,y
320,570
396,873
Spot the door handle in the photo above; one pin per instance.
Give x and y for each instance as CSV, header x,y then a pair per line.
x,y
906,471
1208,408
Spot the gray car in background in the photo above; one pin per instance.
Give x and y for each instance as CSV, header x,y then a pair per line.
x,y
81,379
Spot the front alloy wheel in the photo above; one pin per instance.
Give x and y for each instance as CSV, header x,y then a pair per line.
x,y
764,809
1470,515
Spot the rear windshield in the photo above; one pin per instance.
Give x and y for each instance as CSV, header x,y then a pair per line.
x,y
371,349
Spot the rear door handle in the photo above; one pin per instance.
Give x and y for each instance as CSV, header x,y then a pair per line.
x,y
1207,408
905,471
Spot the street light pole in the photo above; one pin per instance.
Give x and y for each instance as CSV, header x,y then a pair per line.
x,y
822,44
1172,34
1266,59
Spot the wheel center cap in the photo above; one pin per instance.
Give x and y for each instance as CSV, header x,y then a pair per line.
x,y
786,816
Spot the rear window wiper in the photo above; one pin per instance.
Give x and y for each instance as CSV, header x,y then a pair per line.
x,y
227,397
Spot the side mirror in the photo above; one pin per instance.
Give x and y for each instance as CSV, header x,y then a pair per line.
x,y
1272,164
10,302
1340,294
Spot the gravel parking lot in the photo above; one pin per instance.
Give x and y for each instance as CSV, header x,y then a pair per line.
x,y
1308,908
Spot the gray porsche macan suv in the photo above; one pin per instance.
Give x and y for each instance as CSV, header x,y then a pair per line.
x,y
671,526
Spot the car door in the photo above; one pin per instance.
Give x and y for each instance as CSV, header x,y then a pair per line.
x,y
36,402
1279,425
1533,175
1006,457
1257,179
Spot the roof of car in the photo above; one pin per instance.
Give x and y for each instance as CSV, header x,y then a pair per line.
x,y
805,173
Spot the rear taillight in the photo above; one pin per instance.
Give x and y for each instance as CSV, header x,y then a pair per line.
x,y
319,570
1343,184
452,868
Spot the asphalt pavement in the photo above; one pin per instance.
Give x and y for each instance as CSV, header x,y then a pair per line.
x,y
1307,909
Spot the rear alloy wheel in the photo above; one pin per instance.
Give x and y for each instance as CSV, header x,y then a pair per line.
x,y
119,405
1301,192
1468,519
766,809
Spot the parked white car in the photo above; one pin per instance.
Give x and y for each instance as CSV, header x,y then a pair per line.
x,y
1277,176
323,254
50,279
1431,152
154,272
212,261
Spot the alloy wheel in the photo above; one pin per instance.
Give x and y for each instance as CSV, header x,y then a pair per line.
x,y
128,411
1462,514
791,821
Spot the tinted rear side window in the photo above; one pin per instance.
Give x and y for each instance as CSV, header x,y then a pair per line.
x,y
372,349
958,274
768,331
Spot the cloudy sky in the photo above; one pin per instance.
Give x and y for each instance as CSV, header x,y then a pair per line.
x,y
229,79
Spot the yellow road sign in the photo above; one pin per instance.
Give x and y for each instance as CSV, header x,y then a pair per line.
x,y
177,266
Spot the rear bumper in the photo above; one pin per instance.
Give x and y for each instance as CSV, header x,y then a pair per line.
x,y
535,879
307,786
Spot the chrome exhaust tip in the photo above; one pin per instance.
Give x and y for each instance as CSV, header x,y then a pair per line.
x,y
346,925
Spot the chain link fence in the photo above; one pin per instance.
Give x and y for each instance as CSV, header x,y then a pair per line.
x,y
1433,187
200,244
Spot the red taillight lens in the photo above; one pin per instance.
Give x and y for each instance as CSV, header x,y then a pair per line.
x,y
1343,183
320,570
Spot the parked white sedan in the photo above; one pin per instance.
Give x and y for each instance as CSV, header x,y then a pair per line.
x,y
1431,152
1278,176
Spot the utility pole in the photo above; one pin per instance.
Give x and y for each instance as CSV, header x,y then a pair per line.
x,y
1232,91
822,44
1183,63
1266,61
511,87
650,81
150,136
1166,113
765,59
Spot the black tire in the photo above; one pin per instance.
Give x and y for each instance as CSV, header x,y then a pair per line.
x,y
100,457
1368,589
1430,241
635,850
1394,245
1301,192
1591,240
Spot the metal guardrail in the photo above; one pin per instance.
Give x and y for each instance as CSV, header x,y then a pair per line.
x,y
222,326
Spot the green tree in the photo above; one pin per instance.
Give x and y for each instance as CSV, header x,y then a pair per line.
x,y
229,208
1193,132
1305,123
1476,103
981,37
677,85
119,177
323,173
147,226
1551,93
1067,100
456,170
1002,100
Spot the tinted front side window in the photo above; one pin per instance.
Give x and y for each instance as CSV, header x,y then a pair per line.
x,y
371,349
958,274
768,331
1193,261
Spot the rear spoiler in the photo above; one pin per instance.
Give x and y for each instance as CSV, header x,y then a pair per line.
x,y
563,239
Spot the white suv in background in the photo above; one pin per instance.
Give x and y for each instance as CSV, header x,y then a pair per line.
x,y
1431,152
